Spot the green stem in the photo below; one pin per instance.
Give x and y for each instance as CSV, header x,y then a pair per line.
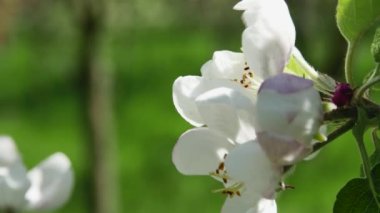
x,y
335,134
348,64
332,136
359,92
367,168
377,71
340,113
375,139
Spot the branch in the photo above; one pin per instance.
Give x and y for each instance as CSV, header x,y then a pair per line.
x,y
338,132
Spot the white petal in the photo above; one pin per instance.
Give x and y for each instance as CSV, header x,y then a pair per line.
x,y
228,111
187,89
13,186
262,205
322,136
224,65
265,206
251,4
8,151
282,150
237,205
249,164
52,183
289,106
13,181
200,151
269,38
254,8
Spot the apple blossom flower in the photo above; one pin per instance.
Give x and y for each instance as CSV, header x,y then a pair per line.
x,y
269,37
224,106
226,69
47,186
228,151
267,44
274,38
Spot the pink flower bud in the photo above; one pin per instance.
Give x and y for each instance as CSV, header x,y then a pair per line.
x,y
342,95
289,108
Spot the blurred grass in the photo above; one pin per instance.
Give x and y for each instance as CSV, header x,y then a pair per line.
x,y
43,115
40,108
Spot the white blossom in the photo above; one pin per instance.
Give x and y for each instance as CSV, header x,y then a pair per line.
x,y
269,37
228,151
45,187
230,106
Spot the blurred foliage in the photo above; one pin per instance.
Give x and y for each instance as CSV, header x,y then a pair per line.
x,y
152,42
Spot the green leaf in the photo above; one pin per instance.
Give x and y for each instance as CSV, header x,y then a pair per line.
x,y
356,195
355,17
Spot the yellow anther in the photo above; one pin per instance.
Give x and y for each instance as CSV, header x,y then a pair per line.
x,y
231,190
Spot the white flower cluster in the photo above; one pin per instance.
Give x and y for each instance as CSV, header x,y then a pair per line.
x,y
251,118
45,187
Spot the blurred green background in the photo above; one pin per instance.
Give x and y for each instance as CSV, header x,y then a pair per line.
x,y
150,43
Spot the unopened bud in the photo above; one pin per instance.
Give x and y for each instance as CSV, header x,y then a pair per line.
x,y
289,106
342,95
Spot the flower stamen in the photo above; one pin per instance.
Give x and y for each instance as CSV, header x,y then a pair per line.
x,y
284,187
247,80
220,173
231,190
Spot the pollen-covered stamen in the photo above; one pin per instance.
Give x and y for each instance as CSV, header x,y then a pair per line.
x,y
220,167
220,173
284,187
232,190
247,80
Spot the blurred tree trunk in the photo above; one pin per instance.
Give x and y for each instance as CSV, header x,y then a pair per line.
x,y
8,12
96,83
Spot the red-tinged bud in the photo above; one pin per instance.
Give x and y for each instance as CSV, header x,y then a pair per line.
x,y
342,95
